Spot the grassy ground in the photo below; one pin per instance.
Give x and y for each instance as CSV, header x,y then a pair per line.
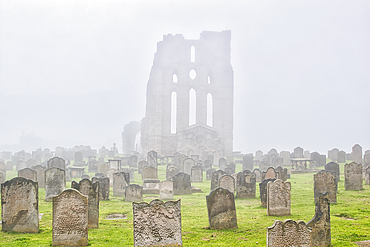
x,y
349,218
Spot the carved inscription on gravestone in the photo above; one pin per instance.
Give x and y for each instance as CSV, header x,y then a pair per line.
x,y
289,233
227,182
19,204
278,198
70,219
157,224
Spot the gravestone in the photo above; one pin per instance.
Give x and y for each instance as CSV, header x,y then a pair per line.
x,y
282,173
40,170
221,209
119,183
3,171
76,172
130,174
166,190
353,176
278,198
263,191
285,155
103,168
246,184
141,165
78,157
367,175
320,223
324,182
55,182
197,174
93,165
222,163
85,176
70,219
28,173
152,159
207,164
133,193
20,205
227,182
110,173
56,162
2,177
298,152
150,173
98,175
157,223
181,184
247,162
114,164
188,164
176,159
357,154
288,233
258,175
9,166
171,171
209,173
103,187
133,161
333,168
91,190
214,179
270,173
259,154
341,157
151,181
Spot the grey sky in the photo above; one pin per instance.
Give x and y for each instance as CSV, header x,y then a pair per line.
x,y
76,71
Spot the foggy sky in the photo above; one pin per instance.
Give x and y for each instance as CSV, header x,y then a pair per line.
x,y
75,72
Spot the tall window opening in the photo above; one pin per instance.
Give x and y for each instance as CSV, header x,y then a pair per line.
x,y
192,107
173,112
209,80
174,78
192,54
209,110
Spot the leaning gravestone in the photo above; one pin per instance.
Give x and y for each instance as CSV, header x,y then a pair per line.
x,y
28,173
70,219
353,176
278,198
40,170
20,205
181,184
263,191
289,233
188,164
55,182
157,223
221,209
103,187
320,223
166,190
270,173
258,174
134,193
209,173
333,168
119,183
197,174
152,159
227,182
91,190
214,179
246,184
324,182
56,162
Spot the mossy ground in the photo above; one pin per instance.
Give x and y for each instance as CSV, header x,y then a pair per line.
x,y
350,220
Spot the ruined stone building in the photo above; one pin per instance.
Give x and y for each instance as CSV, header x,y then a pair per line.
x,y
189,102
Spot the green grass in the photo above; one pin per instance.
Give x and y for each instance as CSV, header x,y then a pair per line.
x,y
350,220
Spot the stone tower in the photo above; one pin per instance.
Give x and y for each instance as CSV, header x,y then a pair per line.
x,y
189,101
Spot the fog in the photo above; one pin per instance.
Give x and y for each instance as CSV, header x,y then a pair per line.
x,y
75,72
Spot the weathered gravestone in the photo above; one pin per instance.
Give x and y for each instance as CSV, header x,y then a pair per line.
x,y
298,152
141,165
353,176
149,173
28,173
367,175
263,191
55,182
341,157
157,224
246,184
3,171
221,209
181,184
247,162
214,179
278,198
270,173
130,173
98,175
320,223
258,175
230,169
207,164
110,173
103,187
151,181
197,174
93,165
56,162
78,157
133,193
119,183
91,190
103,168
324,182
357,154
152,159
85,176
222,163
2,177
40,170
70,219
227,182
333,168
188,164
166,190
209,173
282,173
289,233
76,172
114,164
133,161
20,205
171,171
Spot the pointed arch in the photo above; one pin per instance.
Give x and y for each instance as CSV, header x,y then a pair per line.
x,y
174,78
